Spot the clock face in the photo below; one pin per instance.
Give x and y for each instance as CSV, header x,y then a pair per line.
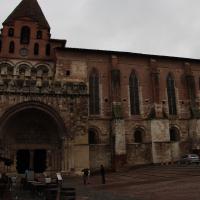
x,y
23,52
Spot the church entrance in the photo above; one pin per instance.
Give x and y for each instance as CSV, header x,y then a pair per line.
x,y
39,160
31,160
23,161
32,139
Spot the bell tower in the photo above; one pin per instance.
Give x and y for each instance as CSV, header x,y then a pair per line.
x,y
26,33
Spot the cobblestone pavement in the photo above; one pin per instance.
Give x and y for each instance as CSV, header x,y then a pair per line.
x,y
154,183
147,183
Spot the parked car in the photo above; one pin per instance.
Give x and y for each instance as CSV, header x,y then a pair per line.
x,y
189,159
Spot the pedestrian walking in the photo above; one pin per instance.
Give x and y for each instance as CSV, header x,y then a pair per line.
x,y
85,175
102,172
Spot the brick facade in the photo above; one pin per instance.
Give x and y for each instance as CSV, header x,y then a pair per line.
x,y
57,84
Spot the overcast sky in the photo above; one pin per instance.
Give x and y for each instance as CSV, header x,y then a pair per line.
x,y
163,27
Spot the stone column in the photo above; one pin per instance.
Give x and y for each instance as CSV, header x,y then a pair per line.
x,y
48,160
118,131
65,155
161,148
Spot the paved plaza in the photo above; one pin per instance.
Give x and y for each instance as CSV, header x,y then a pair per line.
x,y
145,183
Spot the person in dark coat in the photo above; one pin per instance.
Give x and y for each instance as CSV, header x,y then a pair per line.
x,y
102,172
85,176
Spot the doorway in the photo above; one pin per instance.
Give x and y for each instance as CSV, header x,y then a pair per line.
x,y
23,161
38,161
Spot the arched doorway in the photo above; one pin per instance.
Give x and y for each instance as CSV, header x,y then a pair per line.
x,y
32,135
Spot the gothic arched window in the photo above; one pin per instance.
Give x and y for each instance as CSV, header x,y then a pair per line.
x,y
134,94
48,49
94,107
171,95
25,35
36,49
12,47
93,136
174,134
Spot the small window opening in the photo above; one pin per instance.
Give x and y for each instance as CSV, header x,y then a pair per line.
x,y
10,32
39,34
36,49
68,73
12,47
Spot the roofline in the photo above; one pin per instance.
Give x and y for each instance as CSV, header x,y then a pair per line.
x,y
127,53
60,41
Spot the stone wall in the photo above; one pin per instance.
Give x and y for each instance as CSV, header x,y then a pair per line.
x,y
100,155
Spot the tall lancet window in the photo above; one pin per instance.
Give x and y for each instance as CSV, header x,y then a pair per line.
x,y
94,107
171,95
25,35
134,94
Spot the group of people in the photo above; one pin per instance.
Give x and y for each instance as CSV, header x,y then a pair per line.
x,y
86,175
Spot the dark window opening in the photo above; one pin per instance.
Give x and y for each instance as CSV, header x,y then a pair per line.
x,y
25,35
11,32
134,94
94,107
174,135
138,136
36,49
48,49
171,95
93,137
68,73
39,34
12,47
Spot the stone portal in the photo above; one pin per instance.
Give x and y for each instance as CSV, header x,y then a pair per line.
x,y
33,140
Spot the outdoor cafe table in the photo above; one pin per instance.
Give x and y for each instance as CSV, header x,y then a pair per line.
x,y
40,188
37,187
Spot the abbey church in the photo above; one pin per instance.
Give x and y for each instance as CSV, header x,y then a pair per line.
x,y
65,109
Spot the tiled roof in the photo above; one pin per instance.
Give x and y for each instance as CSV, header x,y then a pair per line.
x,y
28,8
